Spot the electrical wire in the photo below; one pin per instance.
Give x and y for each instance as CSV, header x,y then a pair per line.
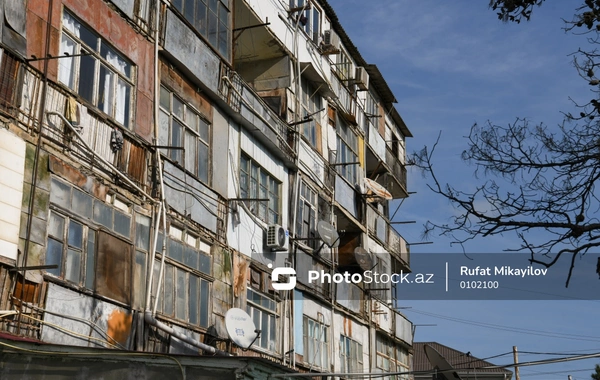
x,y
508,328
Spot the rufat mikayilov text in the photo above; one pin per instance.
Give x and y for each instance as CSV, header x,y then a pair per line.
x,y
504,270
370,277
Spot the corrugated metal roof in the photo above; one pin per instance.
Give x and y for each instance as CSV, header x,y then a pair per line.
x,y
459,360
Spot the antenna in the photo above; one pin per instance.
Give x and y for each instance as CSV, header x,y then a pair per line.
x,y
241,328
443,369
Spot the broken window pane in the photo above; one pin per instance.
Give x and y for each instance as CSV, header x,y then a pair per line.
x,y
82,203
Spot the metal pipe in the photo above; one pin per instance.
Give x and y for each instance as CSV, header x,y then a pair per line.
x,y
148,318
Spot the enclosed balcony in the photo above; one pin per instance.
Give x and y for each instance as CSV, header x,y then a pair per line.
x,y
381,230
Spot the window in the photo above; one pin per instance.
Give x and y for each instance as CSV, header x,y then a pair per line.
x,y
9,78
377,290
182,127
70,245
391,358
306,220
210,18
256,182
311,103
184,295
316,343
347,152
102,76
263,311
351,355
310,19
344,66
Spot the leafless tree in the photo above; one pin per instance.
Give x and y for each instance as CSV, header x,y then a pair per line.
x,y
539,183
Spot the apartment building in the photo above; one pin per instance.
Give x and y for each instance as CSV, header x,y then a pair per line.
x,y
160,158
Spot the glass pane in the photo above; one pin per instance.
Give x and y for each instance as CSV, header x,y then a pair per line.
x,y
204,130
223,40
106,87
181,295
204,306
115,60
90,267
54,256
191,119
200,22
178,108
191,142
202,162
194,298
272,334
103,214
264,326
56,225
73,266
139,275
82,203
188,11
163,131
87,70
169,290
204,263
176,139
178,4
88,37
175,250
155,285
60,194
123,102
66,66
142,232
190,257
165,98
213,25
75,234
122,223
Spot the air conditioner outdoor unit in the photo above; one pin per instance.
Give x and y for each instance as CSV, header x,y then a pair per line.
x,y
277,239
331,40
361,78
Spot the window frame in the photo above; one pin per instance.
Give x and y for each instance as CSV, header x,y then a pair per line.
x,y
201,134
269,212
321,342
310,103
306,228
310,14
391,355
270,338
96,53
349,346
346,153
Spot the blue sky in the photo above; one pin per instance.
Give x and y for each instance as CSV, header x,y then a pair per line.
x,y
451,64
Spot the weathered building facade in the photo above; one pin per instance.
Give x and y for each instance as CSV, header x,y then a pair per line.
x,y
159,158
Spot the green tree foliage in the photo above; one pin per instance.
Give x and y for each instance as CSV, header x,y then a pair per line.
x,y
596,374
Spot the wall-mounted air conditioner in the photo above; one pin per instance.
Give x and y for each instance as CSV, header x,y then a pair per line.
x,y
277,239
361,78
331,41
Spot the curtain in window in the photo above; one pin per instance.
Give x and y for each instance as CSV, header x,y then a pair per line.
x,y
121,100
67,45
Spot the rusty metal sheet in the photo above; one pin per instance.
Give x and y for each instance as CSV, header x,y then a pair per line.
x,y
113,268
137,163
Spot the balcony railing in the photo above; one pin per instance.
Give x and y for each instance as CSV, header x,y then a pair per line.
x,y
244,100
397,168
381,229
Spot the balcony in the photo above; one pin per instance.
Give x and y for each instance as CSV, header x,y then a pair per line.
x,y
380,229
254,113
384,165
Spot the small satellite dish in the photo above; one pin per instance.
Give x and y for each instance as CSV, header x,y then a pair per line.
x,y
444,370
375,190
363,258
240,327
328,234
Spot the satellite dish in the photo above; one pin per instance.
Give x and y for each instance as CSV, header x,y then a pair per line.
x,y
375,190
328,234
363,258
240,327
444,370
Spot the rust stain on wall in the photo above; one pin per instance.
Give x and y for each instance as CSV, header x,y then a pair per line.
x,y
119,326
240,270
